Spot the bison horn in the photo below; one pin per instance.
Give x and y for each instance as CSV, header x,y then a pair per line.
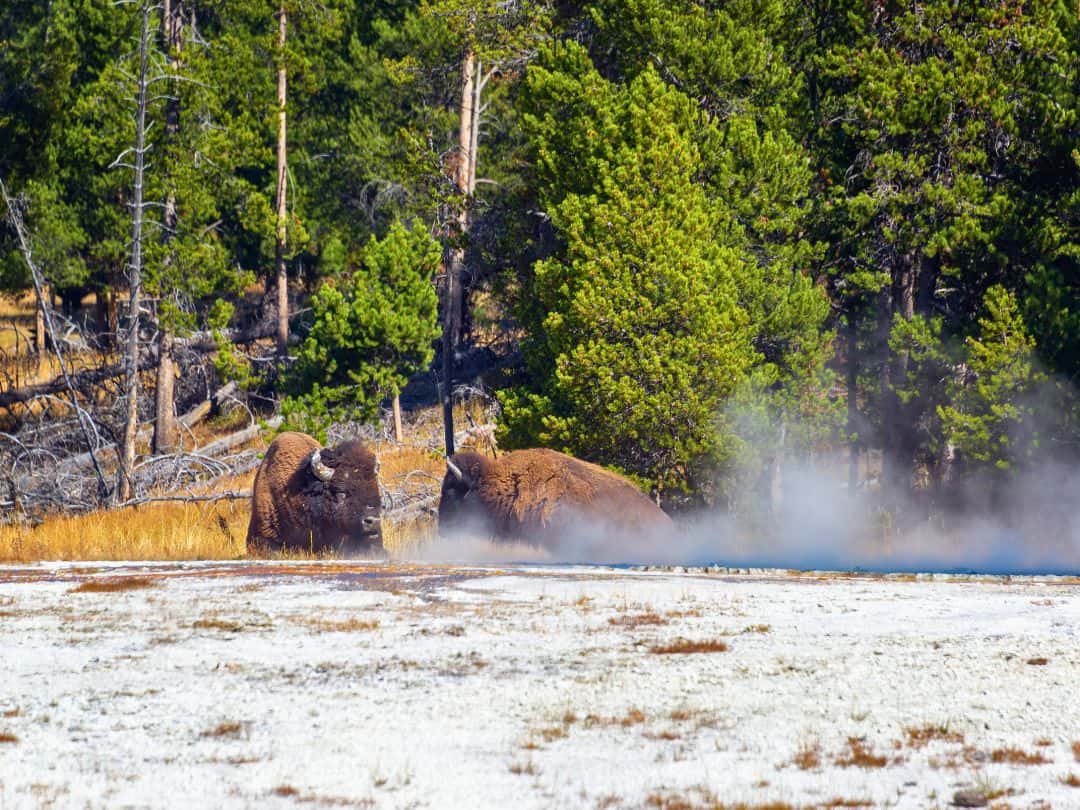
x,y
321,471
455,470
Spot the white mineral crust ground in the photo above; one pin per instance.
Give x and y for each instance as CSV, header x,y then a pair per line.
x,y
267,684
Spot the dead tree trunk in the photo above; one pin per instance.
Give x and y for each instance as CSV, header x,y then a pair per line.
x,y
398,434
39,325
454,259
282,212
123,490
851,361
40,288
165,431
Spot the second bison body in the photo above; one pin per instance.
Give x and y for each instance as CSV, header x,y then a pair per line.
x,y
544,497
310,498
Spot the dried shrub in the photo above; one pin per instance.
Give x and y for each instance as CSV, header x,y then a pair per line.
x,y
8,737
685,647
1071,780
114,585
1038,662
1076,750
757,628
285,791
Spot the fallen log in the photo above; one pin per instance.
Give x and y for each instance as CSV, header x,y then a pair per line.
x,y
80,380
219,446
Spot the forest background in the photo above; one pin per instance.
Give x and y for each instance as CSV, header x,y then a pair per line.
x,y
694,241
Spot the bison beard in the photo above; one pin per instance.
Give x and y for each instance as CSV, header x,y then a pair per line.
x,y
307,498
546,498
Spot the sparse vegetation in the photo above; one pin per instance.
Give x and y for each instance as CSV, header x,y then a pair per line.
x,y
1016,756
686,647
338,625
8,737
114,585
919,736
526,768
808,756
860,755
633,620
1071,780
1039,661
226,729
1076,750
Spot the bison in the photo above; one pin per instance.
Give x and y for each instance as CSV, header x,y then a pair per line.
x,y
546,498
311,498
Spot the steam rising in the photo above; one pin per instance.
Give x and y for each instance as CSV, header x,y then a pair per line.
x,y
818,525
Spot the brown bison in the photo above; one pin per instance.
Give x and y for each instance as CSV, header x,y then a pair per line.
x,y
309,498
544,497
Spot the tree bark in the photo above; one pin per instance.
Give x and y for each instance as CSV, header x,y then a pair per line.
x,y
123,490
165,430
851,361
282,212
39,326
454,257
398,434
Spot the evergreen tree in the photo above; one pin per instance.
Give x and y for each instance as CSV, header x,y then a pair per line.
x,y
374,327
934,115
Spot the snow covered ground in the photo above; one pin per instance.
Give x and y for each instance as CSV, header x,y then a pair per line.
x,y
268,684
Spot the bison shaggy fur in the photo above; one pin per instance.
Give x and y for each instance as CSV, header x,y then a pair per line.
x,y
307,498
543,497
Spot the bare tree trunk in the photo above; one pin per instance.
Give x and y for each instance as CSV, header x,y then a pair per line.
x,y
39,325
40,288
852,402
398,434
455,255
282,212
123,490
165,430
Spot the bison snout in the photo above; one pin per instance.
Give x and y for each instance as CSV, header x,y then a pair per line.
x,y
371,524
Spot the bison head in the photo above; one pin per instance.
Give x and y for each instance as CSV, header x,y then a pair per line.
x,y
344,494
459,504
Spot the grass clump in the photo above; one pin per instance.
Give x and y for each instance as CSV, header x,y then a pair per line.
x,y
114,585
860,756
686,647
920,736
1016,756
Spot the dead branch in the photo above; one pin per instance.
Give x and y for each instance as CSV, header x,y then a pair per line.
x,y
232,495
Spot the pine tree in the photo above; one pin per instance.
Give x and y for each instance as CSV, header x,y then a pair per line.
x,y
374,327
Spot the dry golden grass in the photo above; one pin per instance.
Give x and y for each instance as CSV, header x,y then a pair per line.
x,y
685,647
160,531
114,585
204,530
